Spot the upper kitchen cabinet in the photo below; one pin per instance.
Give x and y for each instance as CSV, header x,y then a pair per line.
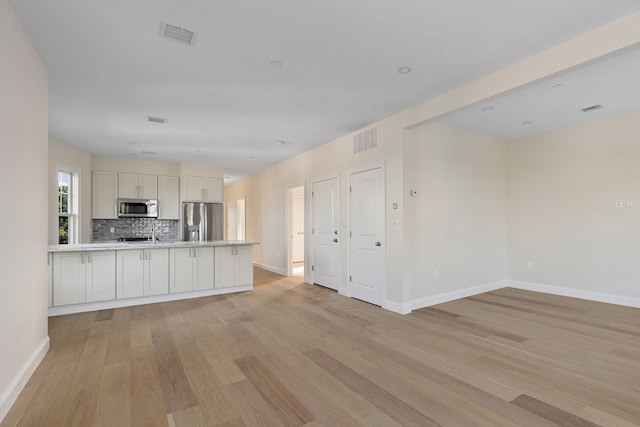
x,y
104,200
135,186
201,189
168,197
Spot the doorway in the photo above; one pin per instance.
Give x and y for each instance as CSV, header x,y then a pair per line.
x,y
236,219
296,230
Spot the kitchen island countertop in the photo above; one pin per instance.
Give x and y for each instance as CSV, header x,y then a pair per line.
x,y
114,245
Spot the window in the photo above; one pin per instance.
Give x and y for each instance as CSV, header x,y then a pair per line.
x,y
67,217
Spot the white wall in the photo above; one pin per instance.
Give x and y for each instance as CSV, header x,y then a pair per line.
x,y
23,220
563,188
458,220
266,190
73,159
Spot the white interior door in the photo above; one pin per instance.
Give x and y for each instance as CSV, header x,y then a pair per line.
x,y
297,225
325,202
367,235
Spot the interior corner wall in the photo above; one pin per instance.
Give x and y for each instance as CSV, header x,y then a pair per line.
x,y
23,184
76,160
565,231
458,218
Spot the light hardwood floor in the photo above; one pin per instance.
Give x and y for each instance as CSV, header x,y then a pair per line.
x,y
290,354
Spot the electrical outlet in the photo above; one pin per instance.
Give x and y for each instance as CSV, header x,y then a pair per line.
x,y
530,265
436,273
629,203
112,230
619,203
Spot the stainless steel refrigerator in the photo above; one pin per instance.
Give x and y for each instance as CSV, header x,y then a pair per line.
x,y
202,221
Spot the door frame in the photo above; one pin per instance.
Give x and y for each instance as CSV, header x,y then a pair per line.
x,y
310,253
289,210
382,292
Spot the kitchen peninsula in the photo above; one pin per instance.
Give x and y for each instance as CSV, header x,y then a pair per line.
x,y
96,276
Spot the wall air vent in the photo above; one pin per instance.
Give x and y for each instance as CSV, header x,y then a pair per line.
x,y
365,140
177,33
154,119
593,107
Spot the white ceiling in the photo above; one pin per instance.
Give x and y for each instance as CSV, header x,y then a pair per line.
x,y
227,104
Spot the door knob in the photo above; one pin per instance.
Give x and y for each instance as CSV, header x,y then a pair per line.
x,y
335,240
378,243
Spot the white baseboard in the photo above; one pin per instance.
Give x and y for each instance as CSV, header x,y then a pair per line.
x,y
457,294
8,398
576,293
280,271
397,307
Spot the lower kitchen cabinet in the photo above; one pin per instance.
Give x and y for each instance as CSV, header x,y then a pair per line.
x,y
142,272
234,266
191,269
80,277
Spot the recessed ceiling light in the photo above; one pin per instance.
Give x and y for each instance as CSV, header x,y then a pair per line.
x,y
404,70
487,109
527,122
148,153
133,143
252,157
276,64
155,119
227,177
133,154
556,86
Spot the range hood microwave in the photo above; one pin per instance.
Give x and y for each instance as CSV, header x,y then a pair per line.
x,y
137,208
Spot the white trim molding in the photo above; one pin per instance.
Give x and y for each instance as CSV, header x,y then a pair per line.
x,y
457,294
396,307
576,293
277,270
8,398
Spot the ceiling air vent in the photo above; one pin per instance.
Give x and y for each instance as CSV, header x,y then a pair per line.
x,y
154,119
177,33
593,107
365,140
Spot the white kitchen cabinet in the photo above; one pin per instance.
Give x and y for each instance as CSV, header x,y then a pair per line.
x,y
104,195
201,189
80,277
233,266
191,269
137,186
142,272
168,197
50,277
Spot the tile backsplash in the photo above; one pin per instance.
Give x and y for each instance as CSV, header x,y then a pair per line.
x,y
166,229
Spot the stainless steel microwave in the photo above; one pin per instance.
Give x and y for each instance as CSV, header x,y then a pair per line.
x,y
137,208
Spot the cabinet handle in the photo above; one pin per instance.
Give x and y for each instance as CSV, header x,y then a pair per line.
x,y
81,257
89,258
141,255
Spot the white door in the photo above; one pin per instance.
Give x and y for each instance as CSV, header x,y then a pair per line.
x,y
367,235
297,227
325,201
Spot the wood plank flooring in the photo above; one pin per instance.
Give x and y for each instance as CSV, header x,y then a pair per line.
x,y
290,354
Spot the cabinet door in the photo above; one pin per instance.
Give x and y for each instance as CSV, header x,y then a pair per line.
x,y
244,265
104,195
168,197
68,278
212,189
191,188
157,272
225,267
181,269
127,185
130,273
204,268
101,275
148,186
50,277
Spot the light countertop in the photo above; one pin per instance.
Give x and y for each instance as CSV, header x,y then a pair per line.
x,y
113,245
